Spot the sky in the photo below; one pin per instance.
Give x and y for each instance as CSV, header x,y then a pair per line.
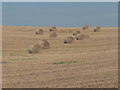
x,y
59,0
60,14
0,14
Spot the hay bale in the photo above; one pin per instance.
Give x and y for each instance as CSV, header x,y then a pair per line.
x,y
53,34
97,29
85,27
81,36
53,28
68,40
76,32
34,48
44,44
39,31
39,45
50,30
72,38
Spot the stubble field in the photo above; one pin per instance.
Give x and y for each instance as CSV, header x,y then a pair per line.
x,y
89,63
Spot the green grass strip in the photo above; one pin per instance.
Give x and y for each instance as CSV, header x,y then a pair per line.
x,y
65,62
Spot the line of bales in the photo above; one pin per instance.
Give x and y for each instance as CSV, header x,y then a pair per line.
x,y
44,44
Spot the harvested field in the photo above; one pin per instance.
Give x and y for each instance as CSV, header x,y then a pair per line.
x,y
89,63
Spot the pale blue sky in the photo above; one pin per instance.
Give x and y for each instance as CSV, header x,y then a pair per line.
x,y
0,14
62,14
60,0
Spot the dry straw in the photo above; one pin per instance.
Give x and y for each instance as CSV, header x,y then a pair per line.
x,y
97,29
34,48
68,40
39,31
52,28
38,46
85,27
44,44
81,36
76,32
53,34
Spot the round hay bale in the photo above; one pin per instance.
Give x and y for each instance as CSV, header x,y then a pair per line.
x,y
81,36
72,38
34,48
44,44
76,32
53,28
68,40
39,31
53,34
97,29
85,27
